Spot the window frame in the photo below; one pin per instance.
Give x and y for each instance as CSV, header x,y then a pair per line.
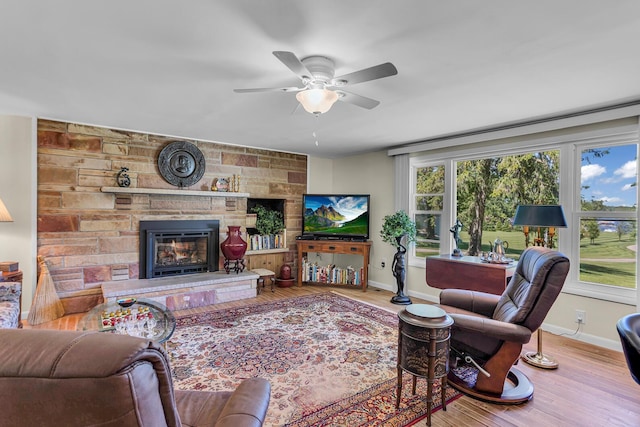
x,y
575,214
414,165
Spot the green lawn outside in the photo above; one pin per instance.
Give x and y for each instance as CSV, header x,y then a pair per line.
x,y
621,271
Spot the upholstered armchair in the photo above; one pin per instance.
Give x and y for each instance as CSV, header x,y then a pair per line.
x,y
490,330
629,330
65,378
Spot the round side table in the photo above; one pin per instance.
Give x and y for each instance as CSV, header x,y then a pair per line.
x,y
423,349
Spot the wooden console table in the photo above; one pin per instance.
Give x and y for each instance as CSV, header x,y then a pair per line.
x,y
335,247
468,272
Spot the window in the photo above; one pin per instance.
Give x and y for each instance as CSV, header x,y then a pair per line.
x,y
427,206
489,191
591,171
607,217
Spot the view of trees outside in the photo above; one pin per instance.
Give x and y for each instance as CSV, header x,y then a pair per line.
x,y
489,191
429,204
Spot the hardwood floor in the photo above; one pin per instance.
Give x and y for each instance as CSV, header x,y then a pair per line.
x,y
591,387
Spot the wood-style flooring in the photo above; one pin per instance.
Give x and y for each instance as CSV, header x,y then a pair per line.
x,y
591,387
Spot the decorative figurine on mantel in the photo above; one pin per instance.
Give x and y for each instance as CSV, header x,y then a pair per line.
x,y
224,184
456,229
122,178
220,184
234,185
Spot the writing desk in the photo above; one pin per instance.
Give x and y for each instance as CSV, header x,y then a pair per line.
x,y
468,272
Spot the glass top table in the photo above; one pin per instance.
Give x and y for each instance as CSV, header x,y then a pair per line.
x,y
145,318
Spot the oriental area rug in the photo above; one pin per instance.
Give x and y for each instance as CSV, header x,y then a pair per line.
x,y
331,360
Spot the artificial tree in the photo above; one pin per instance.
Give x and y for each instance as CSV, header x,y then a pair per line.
x,y
395,229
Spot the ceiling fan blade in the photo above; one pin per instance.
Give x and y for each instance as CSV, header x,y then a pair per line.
x,y
294,64
372,73
270,89
359,100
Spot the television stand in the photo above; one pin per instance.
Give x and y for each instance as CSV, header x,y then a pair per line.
x,y
335,247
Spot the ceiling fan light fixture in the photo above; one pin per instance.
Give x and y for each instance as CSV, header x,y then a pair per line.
x,y
317,101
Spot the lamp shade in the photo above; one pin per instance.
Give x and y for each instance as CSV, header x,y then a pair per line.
x,y
4,213
317,101
540,216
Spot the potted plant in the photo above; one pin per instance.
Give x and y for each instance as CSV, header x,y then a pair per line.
x,y
268,222
395,229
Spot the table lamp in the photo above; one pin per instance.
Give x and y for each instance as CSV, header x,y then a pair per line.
x,y
4,213
540,216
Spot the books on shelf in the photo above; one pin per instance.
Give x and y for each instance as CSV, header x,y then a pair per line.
x,y
330,274
9,266
257,242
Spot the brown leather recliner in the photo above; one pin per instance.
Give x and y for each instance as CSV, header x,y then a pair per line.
x,y
67,378
490,330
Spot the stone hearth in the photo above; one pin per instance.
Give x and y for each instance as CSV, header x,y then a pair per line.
x,y
187,291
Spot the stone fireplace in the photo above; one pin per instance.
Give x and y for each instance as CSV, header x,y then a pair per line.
x,y
179,262
89,234
177,247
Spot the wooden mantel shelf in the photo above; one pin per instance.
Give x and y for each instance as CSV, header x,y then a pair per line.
x,y
129,190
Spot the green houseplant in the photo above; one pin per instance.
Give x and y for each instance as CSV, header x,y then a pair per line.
x,y
395,228
267,221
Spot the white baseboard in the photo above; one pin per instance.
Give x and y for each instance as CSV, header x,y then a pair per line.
x,y
581,336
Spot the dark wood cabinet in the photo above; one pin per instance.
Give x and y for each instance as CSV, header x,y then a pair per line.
x,y
467,272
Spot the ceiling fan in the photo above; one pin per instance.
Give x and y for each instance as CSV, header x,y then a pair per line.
x,y
321,89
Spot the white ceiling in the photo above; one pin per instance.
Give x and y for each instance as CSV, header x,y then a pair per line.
x,y
170,67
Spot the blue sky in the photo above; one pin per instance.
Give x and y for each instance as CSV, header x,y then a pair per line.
x,y
611,178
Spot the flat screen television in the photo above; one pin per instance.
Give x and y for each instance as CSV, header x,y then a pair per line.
x,y
335,216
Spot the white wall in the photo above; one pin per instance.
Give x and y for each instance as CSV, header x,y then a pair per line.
x,y
18,191
319,175
372,174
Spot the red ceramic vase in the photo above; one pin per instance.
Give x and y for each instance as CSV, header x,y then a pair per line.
x,y
233,246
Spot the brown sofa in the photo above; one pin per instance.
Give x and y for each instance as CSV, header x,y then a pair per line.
x,y
65,378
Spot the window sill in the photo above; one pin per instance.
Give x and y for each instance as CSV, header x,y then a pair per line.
x,y
602,292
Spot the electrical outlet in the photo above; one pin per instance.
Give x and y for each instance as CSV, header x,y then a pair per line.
x,y
581,317
383,263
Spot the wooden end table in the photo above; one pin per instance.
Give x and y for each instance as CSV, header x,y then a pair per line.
x,y
423,349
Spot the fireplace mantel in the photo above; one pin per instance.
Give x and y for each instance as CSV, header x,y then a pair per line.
x,y
171,192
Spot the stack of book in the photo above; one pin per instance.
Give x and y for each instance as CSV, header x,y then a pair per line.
x,y
312,272
257,242
9,266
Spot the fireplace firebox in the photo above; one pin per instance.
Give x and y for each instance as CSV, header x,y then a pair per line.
x,y
175,247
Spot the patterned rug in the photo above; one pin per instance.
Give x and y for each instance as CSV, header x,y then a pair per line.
x,y
331,360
